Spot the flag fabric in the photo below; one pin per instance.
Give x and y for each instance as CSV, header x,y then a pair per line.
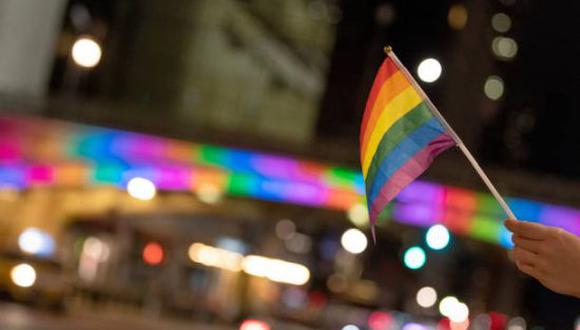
x,y
400,135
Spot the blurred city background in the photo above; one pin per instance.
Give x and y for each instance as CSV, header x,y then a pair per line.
x,y
194,164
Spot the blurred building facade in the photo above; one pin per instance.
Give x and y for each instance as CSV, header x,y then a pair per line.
x,y
283,75
252,68
28,31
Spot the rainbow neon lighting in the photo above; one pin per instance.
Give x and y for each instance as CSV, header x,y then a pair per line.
x,y
38,152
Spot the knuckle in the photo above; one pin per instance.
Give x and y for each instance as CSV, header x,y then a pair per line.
x,y
557,233
544,249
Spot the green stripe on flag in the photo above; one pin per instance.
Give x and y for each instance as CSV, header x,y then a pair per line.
x,y
398,132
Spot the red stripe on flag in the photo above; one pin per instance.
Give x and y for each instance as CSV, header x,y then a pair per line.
x,y
387,69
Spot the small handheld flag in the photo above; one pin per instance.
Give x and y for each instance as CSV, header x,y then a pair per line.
x,y
401,134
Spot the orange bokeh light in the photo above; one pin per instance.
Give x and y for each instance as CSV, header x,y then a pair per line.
x,y
153,253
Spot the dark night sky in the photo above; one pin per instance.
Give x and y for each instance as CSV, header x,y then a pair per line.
x,y
550,77
542,83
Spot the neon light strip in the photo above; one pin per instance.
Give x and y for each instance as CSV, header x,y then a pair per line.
x,y
39,152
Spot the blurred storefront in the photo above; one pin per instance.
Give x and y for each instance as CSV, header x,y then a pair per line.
x,y
252,220
168,224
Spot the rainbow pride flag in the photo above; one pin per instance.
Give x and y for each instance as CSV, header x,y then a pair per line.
x,y
401,133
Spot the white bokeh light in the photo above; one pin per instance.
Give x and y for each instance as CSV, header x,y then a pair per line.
x,y
141,188
350,327
36,242
493,88
354,241
23,275
447,304
437,237
426,297
429,70
276,270
86,53
459,313
504,48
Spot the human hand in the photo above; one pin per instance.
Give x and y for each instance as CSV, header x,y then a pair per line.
x,y
549,254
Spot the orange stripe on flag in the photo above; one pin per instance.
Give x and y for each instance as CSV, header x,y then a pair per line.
x,y
393,111
387,70
389,90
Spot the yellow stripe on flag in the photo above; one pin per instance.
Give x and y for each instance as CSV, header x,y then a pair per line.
x,y
393,111
389,90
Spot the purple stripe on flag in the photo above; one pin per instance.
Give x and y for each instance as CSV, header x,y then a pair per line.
x,y
409,172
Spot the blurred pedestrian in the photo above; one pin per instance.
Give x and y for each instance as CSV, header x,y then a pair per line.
x,y
549,254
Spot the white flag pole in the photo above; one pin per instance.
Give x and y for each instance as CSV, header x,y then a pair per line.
x,y
454,136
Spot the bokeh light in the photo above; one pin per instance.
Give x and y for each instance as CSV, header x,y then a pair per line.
x,y
86,53
379,320
414,258
504,48
481,321
447,304
285,229
276,270
350,327
459,325
141,188
517,323
299,243
209,193
493,88
254,325
414,326
153,253
501,22
96,249
354,241
215,257
23,275
426,297
458,313
358,214
429,70
457,17
385,14
36,242
437,237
